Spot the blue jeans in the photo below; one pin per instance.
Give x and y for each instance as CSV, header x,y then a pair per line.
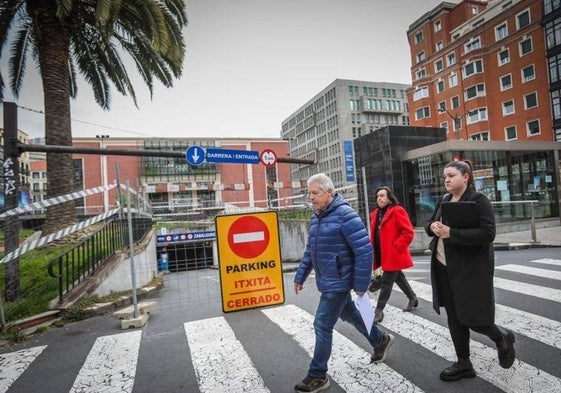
x,y
333,305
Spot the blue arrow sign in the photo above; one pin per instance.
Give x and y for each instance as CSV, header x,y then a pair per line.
x,y
235,156
195,155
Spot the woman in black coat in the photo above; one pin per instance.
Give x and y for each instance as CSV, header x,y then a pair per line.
x,y
462,268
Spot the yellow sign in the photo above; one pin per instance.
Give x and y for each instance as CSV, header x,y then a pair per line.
x,y
250,260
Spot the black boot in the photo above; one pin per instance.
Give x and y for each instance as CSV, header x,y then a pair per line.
x,y
461,369
505,349
378,315
413,303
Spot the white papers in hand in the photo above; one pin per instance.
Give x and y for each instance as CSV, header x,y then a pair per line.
x,y
366,311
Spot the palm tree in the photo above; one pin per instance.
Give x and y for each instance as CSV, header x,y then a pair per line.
x,y
66,37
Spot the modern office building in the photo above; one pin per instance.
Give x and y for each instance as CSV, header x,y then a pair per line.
x,y
552,26
323,129
479,70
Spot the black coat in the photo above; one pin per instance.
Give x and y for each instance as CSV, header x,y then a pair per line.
x,y
470,263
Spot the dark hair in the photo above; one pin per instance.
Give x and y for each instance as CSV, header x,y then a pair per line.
x,y
391,195
464,166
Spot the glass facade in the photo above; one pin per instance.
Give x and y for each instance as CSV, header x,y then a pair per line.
x,y
511,179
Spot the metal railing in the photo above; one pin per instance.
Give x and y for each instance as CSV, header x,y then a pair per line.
x,y
85,258
502,217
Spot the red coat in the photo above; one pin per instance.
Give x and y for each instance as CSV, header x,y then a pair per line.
x,y
396,234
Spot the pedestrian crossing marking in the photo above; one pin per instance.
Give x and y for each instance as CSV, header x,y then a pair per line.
x,y
547,261
532,271
220,361
528,289
539,328
349,365
13,364
110,366
521,377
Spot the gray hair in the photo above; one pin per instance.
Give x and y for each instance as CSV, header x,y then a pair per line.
x,y
323,181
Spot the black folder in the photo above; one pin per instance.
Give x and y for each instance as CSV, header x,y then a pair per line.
x,y
461,215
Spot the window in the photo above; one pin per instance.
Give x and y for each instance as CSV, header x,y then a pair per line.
x,y
438,65
508,108
419,37
501,31
522,19
504,57
473,68
421,92
475,91
451,59
439,86
533,127
453,80
421,73
510,133
480,136
472,44
530,100
476,115
422,113
556,104
445,126
528,73
553,33
442,106
437,26
506,82
455,102
525,47
420,57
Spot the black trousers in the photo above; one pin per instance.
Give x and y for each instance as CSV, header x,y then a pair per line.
x,y
458,331
388,278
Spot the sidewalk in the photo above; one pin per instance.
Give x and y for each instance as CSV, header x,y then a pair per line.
x,y
545,237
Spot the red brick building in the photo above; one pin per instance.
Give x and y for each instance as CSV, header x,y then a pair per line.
x,y
479,70
174,184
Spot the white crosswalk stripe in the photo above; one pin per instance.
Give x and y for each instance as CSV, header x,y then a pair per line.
x,y
218,356
532,271
13,364
110,366
221,363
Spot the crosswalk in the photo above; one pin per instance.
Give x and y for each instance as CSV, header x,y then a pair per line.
x,y
221,363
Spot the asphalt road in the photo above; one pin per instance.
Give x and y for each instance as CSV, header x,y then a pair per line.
x,y
190,345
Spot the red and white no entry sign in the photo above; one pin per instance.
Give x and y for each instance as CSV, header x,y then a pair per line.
x,y
248,237
268,157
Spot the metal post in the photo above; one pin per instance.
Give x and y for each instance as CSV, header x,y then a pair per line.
x,y
366,205
131,247
119,195
534,237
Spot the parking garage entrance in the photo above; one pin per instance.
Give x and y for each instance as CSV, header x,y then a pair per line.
x,y
186,251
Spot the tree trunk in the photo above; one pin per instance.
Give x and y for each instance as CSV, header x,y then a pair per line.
x,y
53,46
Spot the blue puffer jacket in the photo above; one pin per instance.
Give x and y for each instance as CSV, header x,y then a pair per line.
x,y
338,249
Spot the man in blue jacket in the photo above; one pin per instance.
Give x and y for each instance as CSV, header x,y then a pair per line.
x,y
340,252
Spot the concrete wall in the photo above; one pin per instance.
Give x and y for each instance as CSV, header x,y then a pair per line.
x,y
119,279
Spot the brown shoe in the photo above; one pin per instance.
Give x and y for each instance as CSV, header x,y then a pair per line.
x,y
311,385
381,352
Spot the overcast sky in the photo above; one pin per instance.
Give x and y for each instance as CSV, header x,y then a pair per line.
x,y
249,65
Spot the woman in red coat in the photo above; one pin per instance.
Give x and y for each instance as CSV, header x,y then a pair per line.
x,y
391,235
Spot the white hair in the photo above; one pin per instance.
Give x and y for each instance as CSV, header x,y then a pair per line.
x,y
323,181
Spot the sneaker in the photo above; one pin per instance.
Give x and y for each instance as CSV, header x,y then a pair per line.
x,y
505,349
381,352
461,369
311,385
